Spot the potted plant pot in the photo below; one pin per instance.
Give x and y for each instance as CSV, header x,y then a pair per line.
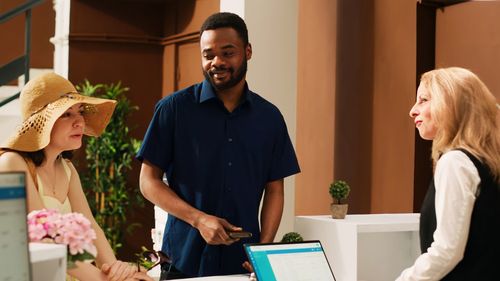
x,y
338,210
339,190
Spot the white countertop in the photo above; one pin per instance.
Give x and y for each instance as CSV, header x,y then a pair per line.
x,y
355,245
48,261
375,222
45,251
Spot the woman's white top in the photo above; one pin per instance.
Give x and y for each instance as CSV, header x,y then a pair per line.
x,y
456,180
50,202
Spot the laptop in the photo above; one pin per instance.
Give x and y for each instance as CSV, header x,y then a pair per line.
x,y
297,261
14,253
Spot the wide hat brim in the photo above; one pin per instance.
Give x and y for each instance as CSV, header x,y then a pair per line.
x,y
34,133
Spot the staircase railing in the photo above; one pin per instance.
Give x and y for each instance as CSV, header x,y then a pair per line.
x,y
20,65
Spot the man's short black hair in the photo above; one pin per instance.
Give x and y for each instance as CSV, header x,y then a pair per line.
x,y
225,19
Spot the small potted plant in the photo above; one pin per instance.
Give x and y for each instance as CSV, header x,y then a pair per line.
x,y
292,237
339,190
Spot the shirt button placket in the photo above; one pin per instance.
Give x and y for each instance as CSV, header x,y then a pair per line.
x,y
230,140
230,148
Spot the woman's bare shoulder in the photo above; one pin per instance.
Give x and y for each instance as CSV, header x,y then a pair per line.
x,y
12,161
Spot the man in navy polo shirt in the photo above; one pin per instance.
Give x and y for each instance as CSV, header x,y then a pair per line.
x,y
222,147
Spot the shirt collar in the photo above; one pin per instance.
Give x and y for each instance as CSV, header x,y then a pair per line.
x,y
208,92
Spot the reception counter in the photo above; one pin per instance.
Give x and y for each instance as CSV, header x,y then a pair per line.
x,y
48,261
361,247
365,247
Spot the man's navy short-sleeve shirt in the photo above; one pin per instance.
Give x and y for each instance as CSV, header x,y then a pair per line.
x,y
219,162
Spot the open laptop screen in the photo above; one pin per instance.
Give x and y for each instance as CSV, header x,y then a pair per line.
x,y
289,261
14,256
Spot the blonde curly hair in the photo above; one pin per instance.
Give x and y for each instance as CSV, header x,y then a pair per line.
x,y
466,113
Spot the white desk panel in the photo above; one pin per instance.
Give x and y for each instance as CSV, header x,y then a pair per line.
x,y
365,247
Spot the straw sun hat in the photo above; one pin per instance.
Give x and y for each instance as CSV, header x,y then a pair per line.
x,y
43,100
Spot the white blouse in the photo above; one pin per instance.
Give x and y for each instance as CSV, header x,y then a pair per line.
x,y
456,180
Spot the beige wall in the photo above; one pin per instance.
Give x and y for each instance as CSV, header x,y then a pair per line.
x,y
468,35
315,102
393,95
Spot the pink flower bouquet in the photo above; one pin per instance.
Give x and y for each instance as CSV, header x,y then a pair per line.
x,y
72,229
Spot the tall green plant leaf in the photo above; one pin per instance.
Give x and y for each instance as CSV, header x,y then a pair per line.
x,y
109,158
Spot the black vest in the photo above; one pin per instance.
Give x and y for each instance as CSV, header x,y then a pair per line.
x,y
482,251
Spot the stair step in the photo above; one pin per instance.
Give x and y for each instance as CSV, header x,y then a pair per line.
x,y
12,108
7,91
10,114
8,125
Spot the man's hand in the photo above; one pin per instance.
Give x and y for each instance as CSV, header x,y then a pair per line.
x,y
214,230
246,265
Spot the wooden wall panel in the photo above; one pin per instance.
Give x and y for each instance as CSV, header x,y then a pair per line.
x,y
468,35
188,70
356,83
182,60
316,76
353,101
393,95
191,14
169,62
129,18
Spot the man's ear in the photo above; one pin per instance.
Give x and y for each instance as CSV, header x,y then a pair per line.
x,y
248,51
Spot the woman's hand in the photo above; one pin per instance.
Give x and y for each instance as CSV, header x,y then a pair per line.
x,y
119,271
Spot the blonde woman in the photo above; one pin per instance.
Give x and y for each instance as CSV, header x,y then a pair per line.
x,y
55,118
460,216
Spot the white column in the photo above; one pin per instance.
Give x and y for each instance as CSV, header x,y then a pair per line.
x,y
272,71
233,6
61,37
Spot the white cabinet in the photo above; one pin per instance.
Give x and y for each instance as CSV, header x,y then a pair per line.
x,y
48,261
365,247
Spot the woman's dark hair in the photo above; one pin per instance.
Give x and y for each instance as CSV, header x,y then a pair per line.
x,y
38,156
224,19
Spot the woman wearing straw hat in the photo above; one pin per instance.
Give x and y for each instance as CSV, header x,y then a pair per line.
x,y
55,118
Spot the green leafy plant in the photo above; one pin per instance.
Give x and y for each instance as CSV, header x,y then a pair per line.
x,y
339,190
292,237
109,158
